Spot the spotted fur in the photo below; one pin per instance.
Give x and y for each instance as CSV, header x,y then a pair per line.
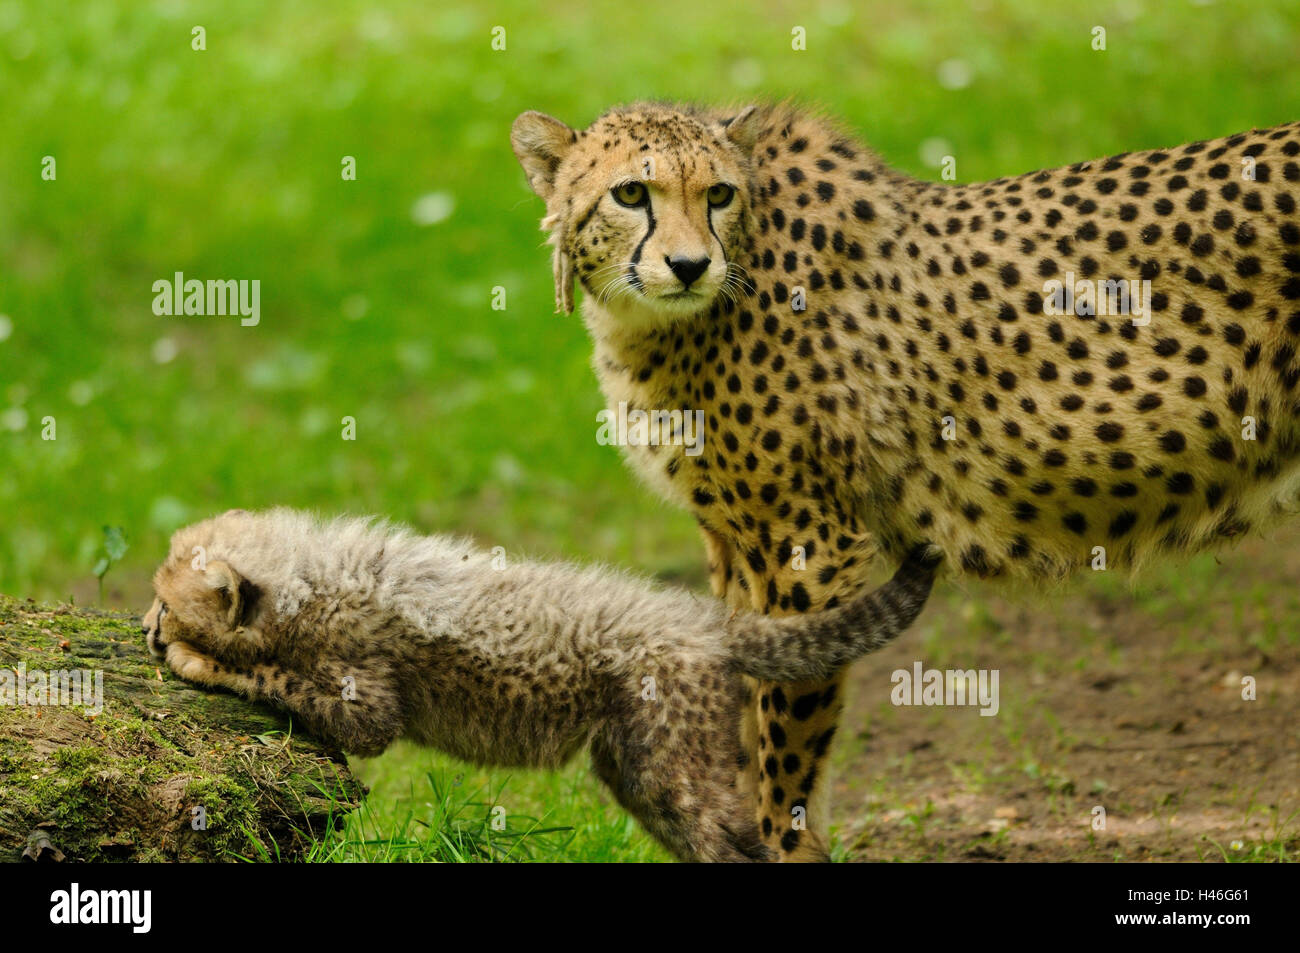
x,y
924,318
368,633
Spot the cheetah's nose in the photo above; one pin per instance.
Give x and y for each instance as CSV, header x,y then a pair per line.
x,y
687,269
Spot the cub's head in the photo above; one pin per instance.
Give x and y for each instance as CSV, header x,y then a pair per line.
x,y
200,598
648,208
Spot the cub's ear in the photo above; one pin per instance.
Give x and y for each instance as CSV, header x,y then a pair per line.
x,y
742,128
238,596
540,142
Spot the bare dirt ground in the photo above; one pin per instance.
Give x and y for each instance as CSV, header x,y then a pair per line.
x,y
1114,696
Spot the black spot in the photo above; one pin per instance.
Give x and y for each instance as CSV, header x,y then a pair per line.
x,y
823,742
1221,449
973,559
803,709
1121,524
1025,511
1083,486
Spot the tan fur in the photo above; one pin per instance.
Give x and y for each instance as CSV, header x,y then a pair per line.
x,y
369,633
924,306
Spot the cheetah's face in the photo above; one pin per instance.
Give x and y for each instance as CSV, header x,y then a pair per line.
x,y
648,207
186,619
202,601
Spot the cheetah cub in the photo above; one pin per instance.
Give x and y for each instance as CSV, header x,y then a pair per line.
x,y
368,633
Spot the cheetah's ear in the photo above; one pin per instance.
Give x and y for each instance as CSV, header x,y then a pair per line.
x,y
540,142
238,596
742,128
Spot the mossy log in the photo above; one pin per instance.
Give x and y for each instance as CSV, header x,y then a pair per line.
x,y
164,772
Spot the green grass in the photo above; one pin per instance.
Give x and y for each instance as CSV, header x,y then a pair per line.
x,y
427,807
226,164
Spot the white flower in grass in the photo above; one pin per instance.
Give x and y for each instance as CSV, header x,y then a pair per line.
x,y
507,469
432,208
15,419
81,393
933,151
166,513
836,13
164,350
955,74
746,73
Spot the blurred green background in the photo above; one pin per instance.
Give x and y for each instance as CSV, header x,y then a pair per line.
x,y
376,293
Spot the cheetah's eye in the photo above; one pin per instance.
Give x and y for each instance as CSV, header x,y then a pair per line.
x,y
720,196
631,194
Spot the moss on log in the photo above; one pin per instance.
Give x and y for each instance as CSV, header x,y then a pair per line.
x,y
123,784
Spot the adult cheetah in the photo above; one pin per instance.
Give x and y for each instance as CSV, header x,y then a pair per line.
x,y
879,361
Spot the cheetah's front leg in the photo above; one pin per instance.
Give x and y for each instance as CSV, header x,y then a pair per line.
x,y
787,747
793,725
194,666
363,717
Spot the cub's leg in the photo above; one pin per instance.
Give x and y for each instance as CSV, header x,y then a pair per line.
x,y
681,792
351,706
725,580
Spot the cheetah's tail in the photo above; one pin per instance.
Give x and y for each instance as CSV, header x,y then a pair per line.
x,y
814,646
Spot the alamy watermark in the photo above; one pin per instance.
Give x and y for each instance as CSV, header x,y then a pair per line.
x,y
182,296
1089,297
651,428
932,686
63,688
133,908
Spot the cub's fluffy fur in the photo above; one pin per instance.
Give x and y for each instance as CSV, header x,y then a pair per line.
x,y
368,633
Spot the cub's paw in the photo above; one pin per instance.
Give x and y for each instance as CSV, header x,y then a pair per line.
x,y
191,664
